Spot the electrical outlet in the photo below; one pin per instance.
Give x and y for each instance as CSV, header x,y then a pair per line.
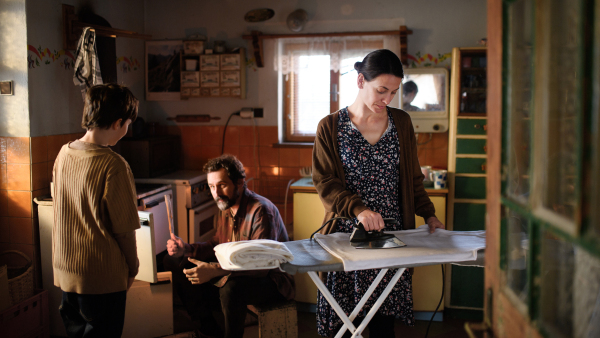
x,y
247,113
258,112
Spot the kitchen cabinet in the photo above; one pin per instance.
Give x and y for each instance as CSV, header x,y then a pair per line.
x,y
213,75
467,172
308,217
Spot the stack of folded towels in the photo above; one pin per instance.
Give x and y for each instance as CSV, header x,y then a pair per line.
x,y
252,255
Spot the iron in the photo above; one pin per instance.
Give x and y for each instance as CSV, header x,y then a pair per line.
x,y
362,239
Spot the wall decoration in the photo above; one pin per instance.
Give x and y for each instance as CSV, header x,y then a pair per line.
x,y
230,78
428,60
190,79
163,70
209,79
230,62
40,53
209,62
129,64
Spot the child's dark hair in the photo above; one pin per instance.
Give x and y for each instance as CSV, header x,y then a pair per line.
x,y
410,87
107,103
234,168
381,61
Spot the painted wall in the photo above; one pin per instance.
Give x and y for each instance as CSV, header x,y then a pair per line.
x,y
14,109
437,26
55,103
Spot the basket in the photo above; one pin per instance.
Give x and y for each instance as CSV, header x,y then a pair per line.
x,y
20,279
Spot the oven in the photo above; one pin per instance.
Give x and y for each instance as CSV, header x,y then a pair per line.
x,y
193,204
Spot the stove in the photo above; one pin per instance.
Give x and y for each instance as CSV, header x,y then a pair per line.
x,y
193,203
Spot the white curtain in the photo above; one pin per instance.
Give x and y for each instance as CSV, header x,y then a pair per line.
x,y
338,48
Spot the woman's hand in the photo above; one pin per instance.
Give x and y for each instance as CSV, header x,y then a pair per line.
x,y
433,223
372,221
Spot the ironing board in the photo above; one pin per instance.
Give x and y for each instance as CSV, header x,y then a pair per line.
x,y
311,258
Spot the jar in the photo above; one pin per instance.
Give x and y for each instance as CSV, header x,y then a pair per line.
x,y
219,46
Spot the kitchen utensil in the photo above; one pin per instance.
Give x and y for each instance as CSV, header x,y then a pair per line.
x,y
439,179
259,15
296,20
169,213
362,239
306,171
193,118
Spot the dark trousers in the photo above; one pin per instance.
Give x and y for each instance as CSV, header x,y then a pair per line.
x,y
100,315
380,326
232,299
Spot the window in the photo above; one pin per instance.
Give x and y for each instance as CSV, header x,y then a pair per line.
x,y
318,78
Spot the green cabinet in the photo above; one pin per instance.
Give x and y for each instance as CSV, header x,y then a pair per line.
x,y
467,167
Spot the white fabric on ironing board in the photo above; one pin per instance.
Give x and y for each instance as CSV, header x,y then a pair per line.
x,y
256,254
442,246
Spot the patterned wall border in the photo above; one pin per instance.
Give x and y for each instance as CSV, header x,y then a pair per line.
x,y
66,60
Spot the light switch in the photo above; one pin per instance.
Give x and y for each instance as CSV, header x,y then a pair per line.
x,y
6,88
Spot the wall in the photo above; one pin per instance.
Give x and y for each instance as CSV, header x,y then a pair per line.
x,y
46,95
14,115
437,27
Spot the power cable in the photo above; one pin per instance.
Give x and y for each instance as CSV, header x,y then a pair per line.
x,y
225,130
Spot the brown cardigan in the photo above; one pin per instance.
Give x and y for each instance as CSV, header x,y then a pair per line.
x,y
328,174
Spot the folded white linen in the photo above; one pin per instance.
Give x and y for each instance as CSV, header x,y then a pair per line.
x,y
422,248
256,254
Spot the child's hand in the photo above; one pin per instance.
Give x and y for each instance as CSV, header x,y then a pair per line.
x,y
130,282
175,246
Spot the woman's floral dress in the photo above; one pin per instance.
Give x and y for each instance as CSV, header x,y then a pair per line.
x,y
371,172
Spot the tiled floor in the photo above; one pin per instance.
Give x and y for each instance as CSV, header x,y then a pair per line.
x,y
452,328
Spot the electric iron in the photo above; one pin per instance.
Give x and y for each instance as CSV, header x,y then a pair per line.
x,y
362,239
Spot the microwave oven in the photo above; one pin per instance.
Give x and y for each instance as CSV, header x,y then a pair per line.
x,y
151,156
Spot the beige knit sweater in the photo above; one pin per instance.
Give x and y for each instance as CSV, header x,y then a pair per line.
x,y
94,202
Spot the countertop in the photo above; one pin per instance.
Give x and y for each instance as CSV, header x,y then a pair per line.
x,y
305,184
146,189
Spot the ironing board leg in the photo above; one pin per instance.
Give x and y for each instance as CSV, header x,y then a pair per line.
x,y
379,301
332,302
363,300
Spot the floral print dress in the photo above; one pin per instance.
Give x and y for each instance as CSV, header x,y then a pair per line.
x,y
371,172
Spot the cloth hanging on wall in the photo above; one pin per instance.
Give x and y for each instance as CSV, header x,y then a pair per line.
x,y
87,66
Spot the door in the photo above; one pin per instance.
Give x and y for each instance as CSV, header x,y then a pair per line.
x,y
543,251
156,205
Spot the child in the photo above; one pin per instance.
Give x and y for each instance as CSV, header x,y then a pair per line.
x,y
95,218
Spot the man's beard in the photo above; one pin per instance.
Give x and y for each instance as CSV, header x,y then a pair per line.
x,y
224,203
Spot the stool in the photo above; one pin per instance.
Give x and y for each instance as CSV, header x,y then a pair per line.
x,y
277,321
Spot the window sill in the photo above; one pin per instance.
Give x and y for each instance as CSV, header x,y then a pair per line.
x,y
293,145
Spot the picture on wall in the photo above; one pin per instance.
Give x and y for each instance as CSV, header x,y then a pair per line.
x,y
163,75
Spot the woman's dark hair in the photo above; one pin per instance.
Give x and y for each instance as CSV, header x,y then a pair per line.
x,y
107,103
233,167
381,61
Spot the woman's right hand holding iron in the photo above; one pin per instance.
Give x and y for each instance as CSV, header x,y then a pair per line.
x,y
371,221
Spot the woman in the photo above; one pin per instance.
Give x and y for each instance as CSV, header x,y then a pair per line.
x,y
365,167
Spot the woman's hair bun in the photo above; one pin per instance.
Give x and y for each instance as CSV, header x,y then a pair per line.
x,y
358,66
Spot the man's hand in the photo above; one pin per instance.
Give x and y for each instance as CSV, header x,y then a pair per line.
x,y
203,272
130,282
371,220
433,223
175,246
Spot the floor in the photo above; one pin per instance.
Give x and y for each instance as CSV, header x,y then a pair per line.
x,y
449,328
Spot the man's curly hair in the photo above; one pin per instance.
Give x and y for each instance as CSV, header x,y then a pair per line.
x,y
233,167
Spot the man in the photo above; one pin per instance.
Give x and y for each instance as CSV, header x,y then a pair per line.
x,y
203,286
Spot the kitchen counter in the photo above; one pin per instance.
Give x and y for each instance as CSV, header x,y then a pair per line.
x,y
305,184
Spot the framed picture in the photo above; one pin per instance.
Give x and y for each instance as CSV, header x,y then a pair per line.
x,y
196,92
230,62
193,47
209,79
209,62
204,91
236,92
163,70
225,91
190,79
186,92
215,92
230,78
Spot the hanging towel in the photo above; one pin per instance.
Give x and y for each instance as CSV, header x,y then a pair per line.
x,y
87,67
256,254
421,248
